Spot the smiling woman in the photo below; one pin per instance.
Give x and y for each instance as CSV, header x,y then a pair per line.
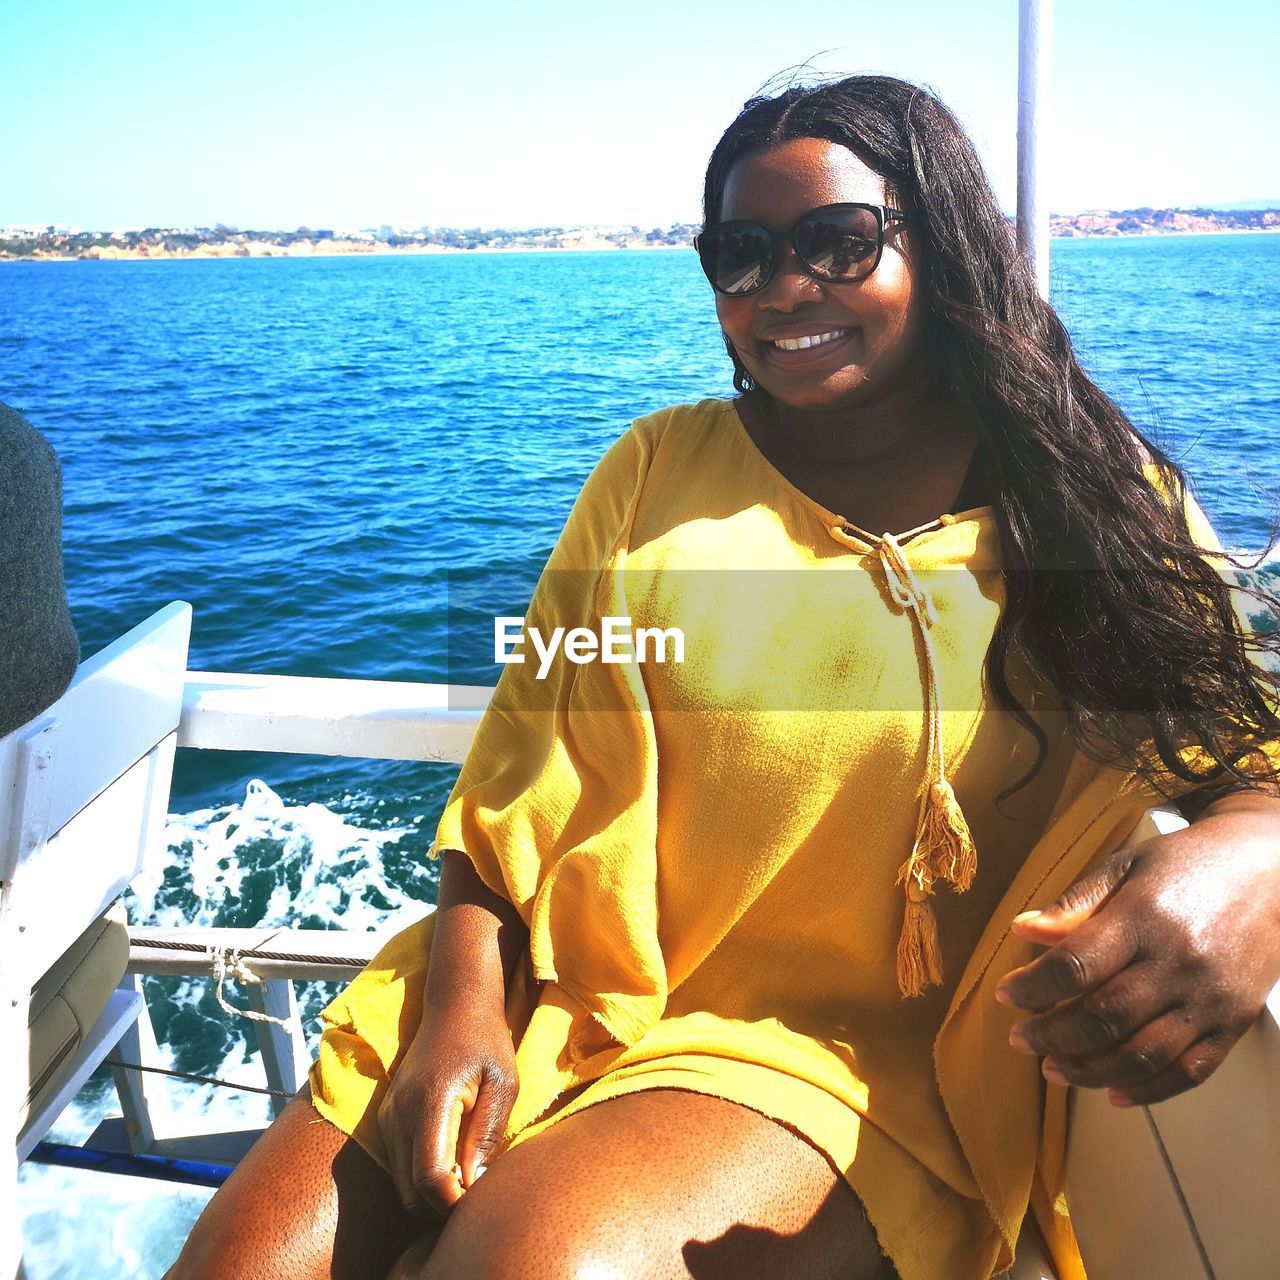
x,y
723,976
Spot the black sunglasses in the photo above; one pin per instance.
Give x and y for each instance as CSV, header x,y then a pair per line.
x,y
839,243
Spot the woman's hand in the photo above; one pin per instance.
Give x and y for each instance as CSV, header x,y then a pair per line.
x,y
1160,959
447,1105
446,1108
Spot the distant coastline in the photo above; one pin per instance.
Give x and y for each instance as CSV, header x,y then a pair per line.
x,y
28,244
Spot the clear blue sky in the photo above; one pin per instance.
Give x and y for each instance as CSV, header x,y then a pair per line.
x,y
275,114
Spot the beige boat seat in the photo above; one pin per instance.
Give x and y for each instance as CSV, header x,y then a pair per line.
x,y
69,999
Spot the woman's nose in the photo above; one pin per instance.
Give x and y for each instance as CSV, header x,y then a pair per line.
x,y
791,285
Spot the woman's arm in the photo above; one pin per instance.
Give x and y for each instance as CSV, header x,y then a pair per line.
x,y
448,1102
1159,959
478,937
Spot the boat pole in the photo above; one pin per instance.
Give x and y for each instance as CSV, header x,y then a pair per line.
x,y
1035,35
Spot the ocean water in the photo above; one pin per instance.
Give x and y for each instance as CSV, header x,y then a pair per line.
x,y
307,450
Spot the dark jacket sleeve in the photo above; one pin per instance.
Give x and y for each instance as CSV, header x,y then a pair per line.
x,y
38,646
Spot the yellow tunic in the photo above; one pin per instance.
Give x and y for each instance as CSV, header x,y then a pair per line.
x,y
710,853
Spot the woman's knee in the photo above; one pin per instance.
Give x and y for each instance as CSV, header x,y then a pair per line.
x,y
528,1237
525,1242
654,1185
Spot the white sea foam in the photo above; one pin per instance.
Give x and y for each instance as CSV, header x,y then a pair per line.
x,y
331,869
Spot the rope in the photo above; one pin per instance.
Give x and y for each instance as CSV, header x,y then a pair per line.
x,y
911,597
256,953
190,1075
228,962
903,586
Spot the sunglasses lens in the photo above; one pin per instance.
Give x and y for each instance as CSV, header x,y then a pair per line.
x,y
839,244
738,257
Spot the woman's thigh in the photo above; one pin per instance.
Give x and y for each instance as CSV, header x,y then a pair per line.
x,y
306,1203
659,1185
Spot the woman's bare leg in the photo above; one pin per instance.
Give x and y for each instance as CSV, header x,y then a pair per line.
x,y
306,1203
659,1185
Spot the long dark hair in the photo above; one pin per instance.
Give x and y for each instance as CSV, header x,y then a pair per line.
x,y
1108,595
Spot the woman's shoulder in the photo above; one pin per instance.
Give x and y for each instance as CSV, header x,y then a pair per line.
x,y
681,425
656,445
674,434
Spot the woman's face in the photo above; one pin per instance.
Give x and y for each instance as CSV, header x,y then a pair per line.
x,y
877,321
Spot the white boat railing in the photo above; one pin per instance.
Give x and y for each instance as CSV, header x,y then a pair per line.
x,y
378,719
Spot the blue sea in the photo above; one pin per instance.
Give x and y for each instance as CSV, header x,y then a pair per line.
x,y
307,449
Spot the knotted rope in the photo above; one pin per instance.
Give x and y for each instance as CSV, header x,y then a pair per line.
x,y
228,962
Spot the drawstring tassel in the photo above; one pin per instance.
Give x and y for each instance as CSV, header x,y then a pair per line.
x,y
945,841
919,956
944,850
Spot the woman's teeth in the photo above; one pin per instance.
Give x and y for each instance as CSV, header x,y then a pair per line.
x,y
809,340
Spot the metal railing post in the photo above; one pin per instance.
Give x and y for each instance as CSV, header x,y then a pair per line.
x,y
284,1051
138,1044
1035,34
